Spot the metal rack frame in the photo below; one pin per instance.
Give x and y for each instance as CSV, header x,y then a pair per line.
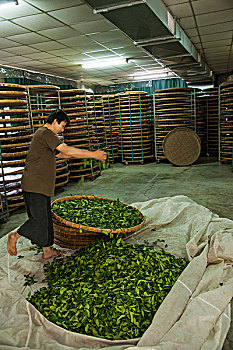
x,y
110,123
4,212
193,118
132,128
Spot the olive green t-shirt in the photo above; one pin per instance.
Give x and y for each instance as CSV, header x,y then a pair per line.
x,y
39,174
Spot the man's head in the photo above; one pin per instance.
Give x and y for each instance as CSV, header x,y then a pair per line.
x,y
59,116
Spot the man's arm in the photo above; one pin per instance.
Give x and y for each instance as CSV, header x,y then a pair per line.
x,y
73,152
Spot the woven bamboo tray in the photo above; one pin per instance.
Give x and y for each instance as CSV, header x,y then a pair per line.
x,y
62,174
125,110
7,103
39,88
73,128
68,237
91,176
15,128
67,234
83,172
76,92
14,155
136,116
75,109
6,86
13,111
15,197
127,124
12,94
137,159
136,151
9,163
182,146
135,103
16,205
226,127
13,120
58,168
13,145
59,184
41,110
75,162
127,93
77,135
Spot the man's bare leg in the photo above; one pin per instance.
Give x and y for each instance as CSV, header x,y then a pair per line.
x,y
11,243
48,252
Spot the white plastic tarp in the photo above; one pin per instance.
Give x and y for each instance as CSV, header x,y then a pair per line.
x,y
194,315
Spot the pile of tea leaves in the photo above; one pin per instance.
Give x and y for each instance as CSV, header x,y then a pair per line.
x,y
108,289
98,212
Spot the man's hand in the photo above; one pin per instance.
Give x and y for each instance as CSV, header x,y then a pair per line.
x,y
100,155
62,155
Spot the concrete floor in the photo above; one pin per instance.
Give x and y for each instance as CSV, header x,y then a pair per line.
x,y
207,182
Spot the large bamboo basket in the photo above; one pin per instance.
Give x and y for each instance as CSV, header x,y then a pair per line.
x,y
67,234
182,146
7,112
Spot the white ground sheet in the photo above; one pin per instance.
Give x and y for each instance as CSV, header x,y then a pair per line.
x,y
195,314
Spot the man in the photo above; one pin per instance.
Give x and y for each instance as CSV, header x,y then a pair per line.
x,y
38,182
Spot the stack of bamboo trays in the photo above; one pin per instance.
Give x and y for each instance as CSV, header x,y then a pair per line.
x,y
40,106
4,212
15,138
199,117
173,108
112,127
134,116
97,126
209,98
75,102
96,123
226,123
152,120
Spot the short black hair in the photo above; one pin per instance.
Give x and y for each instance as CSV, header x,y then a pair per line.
x,y
59,115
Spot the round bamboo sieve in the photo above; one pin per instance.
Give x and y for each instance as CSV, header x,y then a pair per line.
x,y
67,233
182,146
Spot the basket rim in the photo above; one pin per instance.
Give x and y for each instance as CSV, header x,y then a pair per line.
x,y
94,229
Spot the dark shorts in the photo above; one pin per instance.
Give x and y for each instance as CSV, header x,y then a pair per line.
x,y
39,226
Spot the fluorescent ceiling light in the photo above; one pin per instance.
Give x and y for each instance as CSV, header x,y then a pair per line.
x,y
117,6
106,63
153,76
5,3
155,72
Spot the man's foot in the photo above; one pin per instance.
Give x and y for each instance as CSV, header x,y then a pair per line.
x,y
48,252
11,243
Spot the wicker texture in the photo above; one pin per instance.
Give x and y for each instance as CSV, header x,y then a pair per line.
x,y
15,138
173,108
69,237
67,234
182,146
226,123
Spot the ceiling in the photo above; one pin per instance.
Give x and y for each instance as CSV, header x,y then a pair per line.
x,y
56,37
209,25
